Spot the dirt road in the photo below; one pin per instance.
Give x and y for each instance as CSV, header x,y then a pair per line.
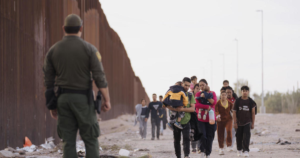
x,y
121,134
269,128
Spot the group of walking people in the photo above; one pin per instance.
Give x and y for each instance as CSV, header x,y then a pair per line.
x,y
196,113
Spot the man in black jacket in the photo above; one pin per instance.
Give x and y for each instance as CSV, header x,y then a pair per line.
x,y
155,110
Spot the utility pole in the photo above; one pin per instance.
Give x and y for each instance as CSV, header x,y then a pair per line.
x,y
263,108
211,73
223,65
237,66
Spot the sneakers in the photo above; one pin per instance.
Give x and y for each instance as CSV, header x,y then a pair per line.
x,y
202,155
207,156
221,151
199,151
169,125
186,157
152,138
194,151
230,148
246,154
239,153
178,125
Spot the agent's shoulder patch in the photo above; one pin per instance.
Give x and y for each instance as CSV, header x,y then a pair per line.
x,y
98,55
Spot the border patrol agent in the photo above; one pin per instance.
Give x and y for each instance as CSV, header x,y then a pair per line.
x,y
70,64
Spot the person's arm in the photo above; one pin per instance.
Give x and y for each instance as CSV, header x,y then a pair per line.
x,y
99,76
234,119
49,78
172,109
49,71
253,118
198,103
105,94
147,114
190,109
234,115
192,105
217,109
213,101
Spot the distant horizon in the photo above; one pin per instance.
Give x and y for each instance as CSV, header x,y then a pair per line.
x,y
169,40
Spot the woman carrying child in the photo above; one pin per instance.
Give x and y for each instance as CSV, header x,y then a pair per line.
x,y
202,110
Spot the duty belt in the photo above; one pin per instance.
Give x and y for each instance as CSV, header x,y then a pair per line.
x,y
63,90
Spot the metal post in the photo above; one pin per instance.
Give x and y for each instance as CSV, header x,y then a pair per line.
x,y
211,73
223,65
237,66
263,108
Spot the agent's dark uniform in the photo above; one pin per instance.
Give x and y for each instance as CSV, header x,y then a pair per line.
x,y
70,64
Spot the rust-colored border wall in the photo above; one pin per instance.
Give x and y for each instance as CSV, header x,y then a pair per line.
x,y
27,30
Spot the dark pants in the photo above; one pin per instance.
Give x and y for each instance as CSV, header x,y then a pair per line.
x,y
186,140
74,113
208,136
196,144
155,122
243,136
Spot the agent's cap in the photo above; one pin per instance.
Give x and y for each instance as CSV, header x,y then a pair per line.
x,y
73,20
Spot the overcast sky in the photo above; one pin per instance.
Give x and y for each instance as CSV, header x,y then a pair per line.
x,y
167,40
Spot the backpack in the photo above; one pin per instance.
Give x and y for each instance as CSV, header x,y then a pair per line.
x,y
252,102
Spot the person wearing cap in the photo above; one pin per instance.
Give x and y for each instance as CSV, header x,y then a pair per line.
x,y
71,64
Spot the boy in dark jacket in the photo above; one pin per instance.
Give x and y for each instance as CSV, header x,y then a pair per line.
x,y
244,111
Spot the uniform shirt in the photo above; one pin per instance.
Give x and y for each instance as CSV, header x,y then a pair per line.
x,y
244,116
155,107
69,64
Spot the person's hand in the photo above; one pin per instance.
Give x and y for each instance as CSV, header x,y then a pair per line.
x,y
106,106
54,114
219,119
146,119
202,95
252,126
209,108
235,126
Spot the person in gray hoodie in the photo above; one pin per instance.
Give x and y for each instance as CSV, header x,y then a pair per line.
x,y
142,112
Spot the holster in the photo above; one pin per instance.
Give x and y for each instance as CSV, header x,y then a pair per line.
x,y
97,103
51,96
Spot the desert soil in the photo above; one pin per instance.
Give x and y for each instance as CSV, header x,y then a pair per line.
x,y
269,128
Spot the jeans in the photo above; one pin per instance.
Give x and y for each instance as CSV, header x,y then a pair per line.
x,y
161,127
186,140
143,128
208,136
196,144
243,136
155,122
